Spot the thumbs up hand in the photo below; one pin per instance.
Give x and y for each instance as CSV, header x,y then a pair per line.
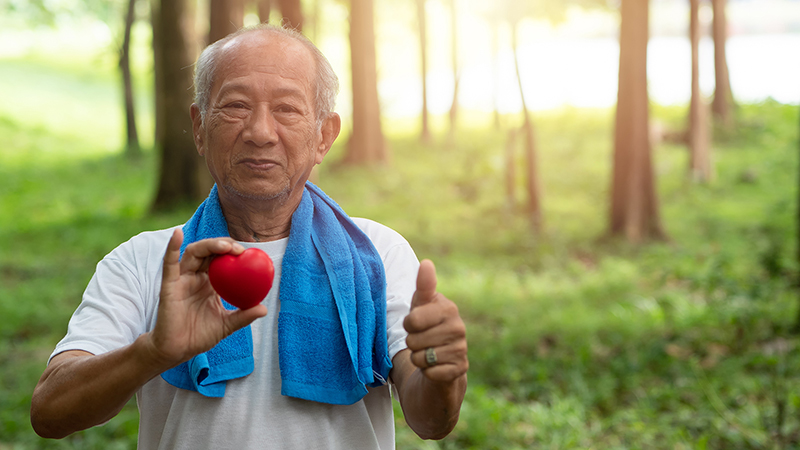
x,y
436,333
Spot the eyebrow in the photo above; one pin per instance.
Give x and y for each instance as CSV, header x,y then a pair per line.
x,y
279,92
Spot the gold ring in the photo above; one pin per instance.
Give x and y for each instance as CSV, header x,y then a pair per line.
x,y
430,357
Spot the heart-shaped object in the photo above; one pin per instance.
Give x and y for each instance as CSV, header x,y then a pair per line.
x,y
242,280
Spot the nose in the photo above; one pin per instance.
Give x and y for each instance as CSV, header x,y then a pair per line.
x,y
260,130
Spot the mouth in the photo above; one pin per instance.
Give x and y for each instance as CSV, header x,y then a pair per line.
x,y
258,164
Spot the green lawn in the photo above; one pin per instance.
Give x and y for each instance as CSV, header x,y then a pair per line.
x,y
575,341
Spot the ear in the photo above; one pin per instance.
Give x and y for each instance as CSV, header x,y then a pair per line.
x,y
197,128
329,132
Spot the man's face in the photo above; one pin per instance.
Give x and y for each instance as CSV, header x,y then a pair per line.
x,y
259,136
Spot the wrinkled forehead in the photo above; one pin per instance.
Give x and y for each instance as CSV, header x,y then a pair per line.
x,y
265,50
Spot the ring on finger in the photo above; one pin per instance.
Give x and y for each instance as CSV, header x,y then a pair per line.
x,y
430,357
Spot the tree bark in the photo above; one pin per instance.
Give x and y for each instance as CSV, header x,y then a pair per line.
x,y
797,249
225,17
264,8
634,205
495,25
174,51
316,10
511,164
533,208
292,14
723,95
132,149
451,136
425,135
699,136
366,144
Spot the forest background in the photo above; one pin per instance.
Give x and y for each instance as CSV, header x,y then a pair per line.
x,y
582,335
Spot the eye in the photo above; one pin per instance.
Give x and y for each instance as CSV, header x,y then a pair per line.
x,y
237,105
286,109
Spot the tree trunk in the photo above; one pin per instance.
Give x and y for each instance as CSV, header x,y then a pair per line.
x,y
292,14
315,13
533,207
425,136
495,24
174,50
634,206
699,136
225,17
723,95
451,135
366,145
264,8
132,149
158,82
511,164
797,320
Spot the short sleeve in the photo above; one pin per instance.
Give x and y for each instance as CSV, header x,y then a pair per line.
x,y
118,304
401,266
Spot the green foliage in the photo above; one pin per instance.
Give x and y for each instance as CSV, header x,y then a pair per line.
x,y
575,342
49,13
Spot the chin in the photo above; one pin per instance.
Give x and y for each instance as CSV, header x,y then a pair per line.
x,y
263,194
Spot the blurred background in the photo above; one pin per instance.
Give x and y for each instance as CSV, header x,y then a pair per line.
x,y
609,189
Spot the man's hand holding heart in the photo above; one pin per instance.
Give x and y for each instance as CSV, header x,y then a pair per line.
x,y
191,318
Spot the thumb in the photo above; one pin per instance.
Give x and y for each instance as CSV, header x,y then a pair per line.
x,y
426,284
241,318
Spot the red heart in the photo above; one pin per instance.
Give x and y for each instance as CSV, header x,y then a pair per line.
x,y
243,280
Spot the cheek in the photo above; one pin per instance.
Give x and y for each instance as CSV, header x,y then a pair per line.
x,y
217,153
218,128
221,137
302,141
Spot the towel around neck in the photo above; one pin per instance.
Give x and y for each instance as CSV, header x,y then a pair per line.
x,y
332,321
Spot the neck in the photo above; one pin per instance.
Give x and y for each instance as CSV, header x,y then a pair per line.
x,y
258,220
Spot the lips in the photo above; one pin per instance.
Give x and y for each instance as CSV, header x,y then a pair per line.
x,y
258,163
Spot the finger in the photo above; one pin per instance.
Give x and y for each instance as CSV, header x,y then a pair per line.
x,y
172,256
195,257
446,333
429,316
446,373
244,317
426,284
451,354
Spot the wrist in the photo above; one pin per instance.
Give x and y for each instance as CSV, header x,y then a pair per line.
x,y
151,357
434,406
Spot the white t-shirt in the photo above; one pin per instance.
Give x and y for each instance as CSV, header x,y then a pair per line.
x,y
120,304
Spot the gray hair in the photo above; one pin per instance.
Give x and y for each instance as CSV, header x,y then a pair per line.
x,y
326,82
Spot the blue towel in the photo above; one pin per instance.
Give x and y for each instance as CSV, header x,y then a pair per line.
x,y
333,296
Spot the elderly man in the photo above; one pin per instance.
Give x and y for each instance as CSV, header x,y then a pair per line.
x,y
352,311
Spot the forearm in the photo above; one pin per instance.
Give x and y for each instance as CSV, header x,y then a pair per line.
x,y
81,390
432,408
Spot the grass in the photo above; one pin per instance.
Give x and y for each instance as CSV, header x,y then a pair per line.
x,y
575,341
